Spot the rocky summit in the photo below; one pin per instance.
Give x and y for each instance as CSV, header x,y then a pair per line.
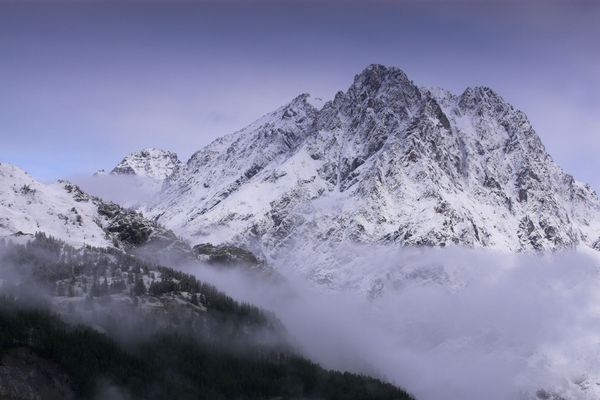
x,y
385,162
151,163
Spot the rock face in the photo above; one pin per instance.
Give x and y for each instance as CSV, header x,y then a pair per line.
x,y
387,162
150,163
226,255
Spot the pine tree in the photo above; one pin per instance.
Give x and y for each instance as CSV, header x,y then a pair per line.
x,y
95,290
60,289
139,289
104,287
71,290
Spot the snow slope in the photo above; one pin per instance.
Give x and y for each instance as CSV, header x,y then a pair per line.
x,y
29,206
63,211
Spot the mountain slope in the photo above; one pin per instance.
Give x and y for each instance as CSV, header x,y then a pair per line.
x,y
388,162
64,211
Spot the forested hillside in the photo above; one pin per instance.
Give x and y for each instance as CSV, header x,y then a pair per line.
x,y
89,322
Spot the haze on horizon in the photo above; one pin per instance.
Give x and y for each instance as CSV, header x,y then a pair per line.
x,y
82,84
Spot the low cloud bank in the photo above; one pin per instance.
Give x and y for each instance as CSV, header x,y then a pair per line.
x,y
443,323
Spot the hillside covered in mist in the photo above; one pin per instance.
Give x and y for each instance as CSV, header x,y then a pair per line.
x,y
83,323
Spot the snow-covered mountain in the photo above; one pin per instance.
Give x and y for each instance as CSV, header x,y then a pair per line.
x,y
384,162
151,163
64,211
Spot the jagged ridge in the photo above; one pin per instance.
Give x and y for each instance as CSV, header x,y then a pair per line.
x,y
385,161
151,163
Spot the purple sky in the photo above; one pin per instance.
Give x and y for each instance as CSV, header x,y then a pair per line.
x,y
83,83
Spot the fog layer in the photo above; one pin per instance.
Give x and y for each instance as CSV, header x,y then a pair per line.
x,y
443,323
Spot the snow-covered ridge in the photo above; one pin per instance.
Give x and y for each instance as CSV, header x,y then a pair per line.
x,y
151,163
29,206
387,162
64,211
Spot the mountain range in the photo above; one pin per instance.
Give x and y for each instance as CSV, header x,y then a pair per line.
x,y
385,162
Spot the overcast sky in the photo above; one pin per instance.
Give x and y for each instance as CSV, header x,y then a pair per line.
x,y
83,83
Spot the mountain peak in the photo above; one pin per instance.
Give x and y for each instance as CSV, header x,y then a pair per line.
x,y
379,87
299,104
376,75
150,162
380,70
477,95
300,99
384,162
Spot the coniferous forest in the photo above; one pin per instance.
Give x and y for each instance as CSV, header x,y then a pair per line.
x,y
102,322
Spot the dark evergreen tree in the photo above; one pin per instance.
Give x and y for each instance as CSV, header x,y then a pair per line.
x,y
139,289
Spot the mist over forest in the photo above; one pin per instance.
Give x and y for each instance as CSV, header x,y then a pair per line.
x,y
104,324
455,323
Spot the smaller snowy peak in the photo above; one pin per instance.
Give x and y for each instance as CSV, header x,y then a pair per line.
x,y
151,163
480,96
305,102
316,101
271,135
299,106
